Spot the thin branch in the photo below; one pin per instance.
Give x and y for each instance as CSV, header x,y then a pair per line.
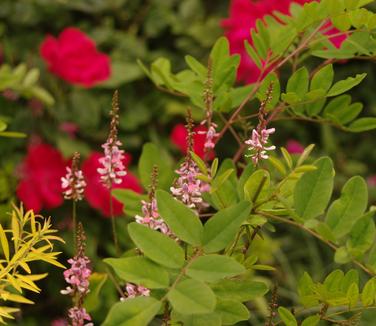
x,y
316,235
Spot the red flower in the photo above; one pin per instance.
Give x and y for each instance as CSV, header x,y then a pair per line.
x,y
179,138
40,185
96,194
243,16
73,57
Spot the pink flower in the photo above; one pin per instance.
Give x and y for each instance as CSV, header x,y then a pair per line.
x,y
257,144
179,138
151,217
40,175
112,169
73,56
134,290
96,194
77,276
294,147
188,188
78,315
243,16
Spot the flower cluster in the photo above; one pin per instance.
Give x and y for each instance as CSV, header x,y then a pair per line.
x,y
210,136
73,184
260,136
134,290
73,56
258,142
188,188
112,169
151,216
77,277
78,316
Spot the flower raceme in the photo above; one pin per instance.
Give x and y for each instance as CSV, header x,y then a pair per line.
x,y
242,19
97,194
73,56
112,169
258,144
73,184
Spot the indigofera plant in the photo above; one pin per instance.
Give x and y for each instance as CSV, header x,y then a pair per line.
x,y
207,274
30,239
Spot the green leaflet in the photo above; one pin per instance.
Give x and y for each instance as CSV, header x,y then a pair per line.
x,y
314,189
231,311
211,268
222,227
133,312
343,212
140,270
182,221
193,297
156,246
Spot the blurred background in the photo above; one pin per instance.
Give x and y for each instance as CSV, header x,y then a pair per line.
x,y
60,62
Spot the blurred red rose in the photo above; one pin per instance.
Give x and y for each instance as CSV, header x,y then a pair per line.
x,y
294,147
96,194
40,173
179,138
243,16
371,180
73,57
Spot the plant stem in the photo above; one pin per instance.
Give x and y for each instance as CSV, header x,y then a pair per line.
x,y
316,235
113,224
74,217
115,282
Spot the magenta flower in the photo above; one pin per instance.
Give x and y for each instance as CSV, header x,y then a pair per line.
x,y
257,144
294,147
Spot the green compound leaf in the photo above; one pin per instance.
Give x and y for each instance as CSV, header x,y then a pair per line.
x,y
140,270
156,246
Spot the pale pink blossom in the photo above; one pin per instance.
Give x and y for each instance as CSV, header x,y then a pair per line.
x,y
134,291
112,169
151,217
211,136
188,188
258,144
78,316
73,184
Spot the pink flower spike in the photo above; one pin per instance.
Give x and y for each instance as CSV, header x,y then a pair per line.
x,y
134,291
73,184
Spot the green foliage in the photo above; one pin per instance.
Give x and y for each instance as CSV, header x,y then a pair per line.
x,y
32,240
